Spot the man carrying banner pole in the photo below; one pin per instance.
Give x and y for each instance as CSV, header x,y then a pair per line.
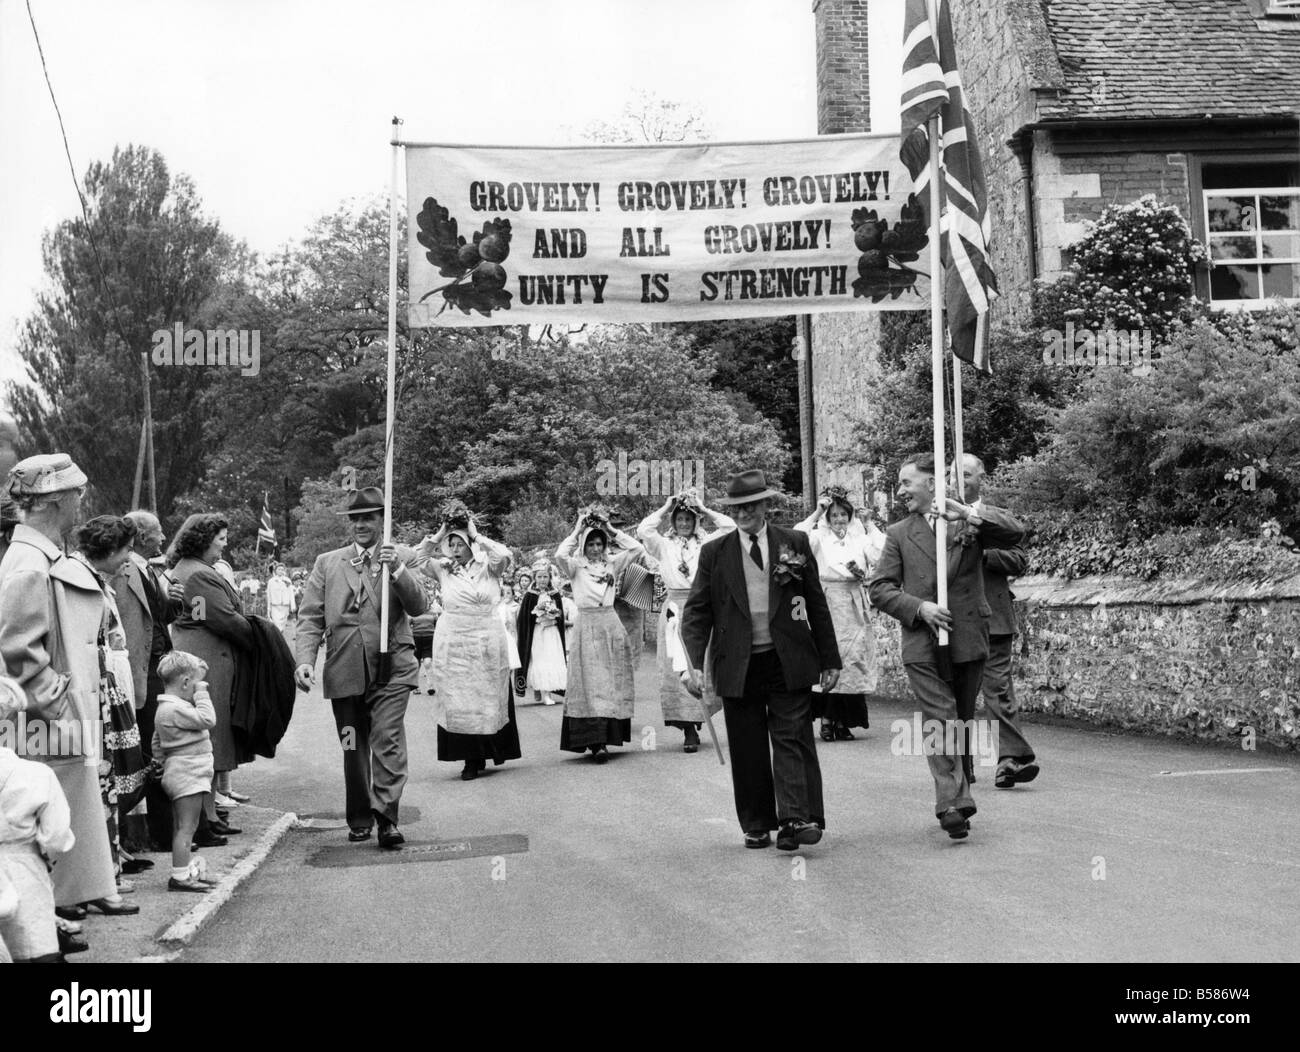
x,y
944,677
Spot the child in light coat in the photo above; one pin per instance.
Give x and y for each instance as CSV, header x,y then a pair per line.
x,y
35,829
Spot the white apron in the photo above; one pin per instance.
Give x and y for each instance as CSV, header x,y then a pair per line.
x,y
471,672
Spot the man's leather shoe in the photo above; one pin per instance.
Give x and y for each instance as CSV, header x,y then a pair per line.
x,y
390,838
137,865
358,835
1011,772
955,824
224,829
792,834
71,943
758,838
209,839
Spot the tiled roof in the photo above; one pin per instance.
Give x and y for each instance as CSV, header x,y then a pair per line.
x,y
1171,58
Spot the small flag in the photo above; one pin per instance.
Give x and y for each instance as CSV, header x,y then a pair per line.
x,y
265,531
932,86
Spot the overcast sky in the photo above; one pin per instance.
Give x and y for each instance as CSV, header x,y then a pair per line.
x,y
280,109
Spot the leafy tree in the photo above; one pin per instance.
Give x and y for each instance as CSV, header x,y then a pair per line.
x,y
147,260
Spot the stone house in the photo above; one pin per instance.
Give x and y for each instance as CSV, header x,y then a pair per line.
x,y
1080,104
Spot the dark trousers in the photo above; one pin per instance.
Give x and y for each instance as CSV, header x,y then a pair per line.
x,y
372,731
943,701
785,783
1000,699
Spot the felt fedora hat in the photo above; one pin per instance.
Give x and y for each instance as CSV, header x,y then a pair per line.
x,y
745,486
364,501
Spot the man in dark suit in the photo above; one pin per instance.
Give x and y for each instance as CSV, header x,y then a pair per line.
x,y
1016,763
147,605
340,605
756,593
905,586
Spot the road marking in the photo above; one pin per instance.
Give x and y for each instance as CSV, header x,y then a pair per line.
x,y
1223,770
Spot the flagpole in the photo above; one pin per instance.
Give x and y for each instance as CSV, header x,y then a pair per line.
x,y
957,452
936,382
390,417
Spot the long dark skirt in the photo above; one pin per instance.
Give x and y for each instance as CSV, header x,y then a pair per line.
x,y
580,733
499,747
848,709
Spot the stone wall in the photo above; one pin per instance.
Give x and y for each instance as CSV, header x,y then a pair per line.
x,y
1186,658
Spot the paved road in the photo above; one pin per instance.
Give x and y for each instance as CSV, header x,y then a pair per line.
x,y
641,859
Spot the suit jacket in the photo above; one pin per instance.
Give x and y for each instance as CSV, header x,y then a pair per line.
x,y
341,608
906,576
718,606
51,610
137,615
999,564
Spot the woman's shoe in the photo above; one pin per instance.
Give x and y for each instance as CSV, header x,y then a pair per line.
x,y
828,731
109,908
692,743
70,913
843,734
241,798
470,771
125,887
600,754
188,884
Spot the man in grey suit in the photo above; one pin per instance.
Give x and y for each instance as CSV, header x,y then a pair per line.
x,y
147,605
905,586
340,605
1016,762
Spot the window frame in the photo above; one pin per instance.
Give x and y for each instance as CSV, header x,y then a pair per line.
x,y
1199,198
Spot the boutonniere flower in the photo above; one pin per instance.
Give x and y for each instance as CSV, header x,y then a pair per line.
x,y
858,573
789,565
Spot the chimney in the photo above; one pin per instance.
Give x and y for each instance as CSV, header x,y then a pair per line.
x,y
843,78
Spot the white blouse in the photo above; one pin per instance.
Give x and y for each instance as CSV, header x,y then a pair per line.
x,y
834,554
474,588
678,556
593,581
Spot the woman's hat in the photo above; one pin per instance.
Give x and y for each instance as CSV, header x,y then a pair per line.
x,y
745,486
839,495
46,473
364,501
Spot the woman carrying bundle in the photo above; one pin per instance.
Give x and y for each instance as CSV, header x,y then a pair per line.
x,y
599,695
845,557
678,554
471,651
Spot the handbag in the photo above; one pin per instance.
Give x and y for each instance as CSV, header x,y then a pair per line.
x,y
637,588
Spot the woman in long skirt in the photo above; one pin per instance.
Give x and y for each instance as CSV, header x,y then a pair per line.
x,y
599,695
844,562
678,554
543,667
471,652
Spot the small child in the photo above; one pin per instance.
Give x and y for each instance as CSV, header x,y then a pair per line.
x,y
185,715
35,828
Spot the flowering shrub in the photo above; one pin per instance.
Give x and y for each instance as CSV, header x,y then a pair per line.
x,y
1132,270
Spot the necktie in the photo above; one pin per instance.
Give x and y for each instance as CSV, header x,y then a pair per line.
x,y
930,518
754,552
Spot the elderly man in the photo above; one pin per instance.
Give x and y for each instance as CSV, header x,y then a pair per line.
x,y
1016,763
905,586
341,601
51,610
147,605
757,596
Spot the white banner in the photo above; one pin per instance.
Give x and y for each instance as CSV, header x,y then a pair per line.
x,y
512,236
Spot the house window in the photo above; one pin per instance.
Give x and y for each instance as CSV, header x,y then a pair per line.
x,y
1278,8
1252,225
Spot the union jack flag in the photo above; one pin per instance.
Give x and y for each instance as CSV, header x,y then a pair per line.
x,y
265,531
932,86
